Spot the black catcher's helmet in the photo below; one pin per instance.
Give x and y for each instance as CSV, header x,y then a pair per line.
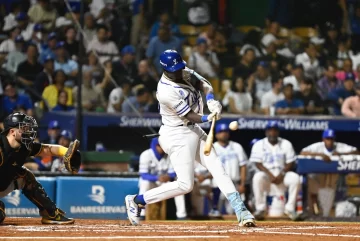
x,y
26,124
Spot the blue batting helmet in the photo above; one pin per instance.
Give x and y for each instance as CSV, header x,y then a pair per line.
x,y
171,61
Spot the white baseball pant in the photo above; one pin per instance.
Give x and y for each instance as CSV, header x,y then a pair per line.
x,y
145,185
184,144
261,186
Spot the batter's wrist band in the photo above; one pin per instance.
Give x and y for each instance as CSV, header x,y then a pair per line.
x,y
204,118
209,96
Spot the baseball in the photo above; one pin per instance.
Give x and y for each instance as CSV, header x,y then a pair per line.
x,y
233,125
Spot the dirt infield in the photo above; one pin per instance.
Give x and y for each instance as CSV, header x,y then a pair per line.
x,y
31,229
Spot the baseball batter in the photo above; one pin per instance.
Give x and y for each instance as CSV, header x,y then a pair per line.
x,y
274,157
234,159
155,169
181,107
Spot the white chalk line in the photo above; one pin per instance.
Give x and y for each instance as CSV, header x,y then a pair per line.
x,y
313,234
119,237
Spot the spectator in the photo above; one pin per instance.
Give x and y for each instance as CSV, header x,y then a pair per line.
x,y
13,101
351,105
272,37
337,96
49,48
53,132
141,102
209,35
89,29
92,64
64,63
274,158
203,60
344,51
57,164
331,40
61,24
30,68
238,99
62,101
37,37
144,77
137,22
51,92
125,68
269,99
106,84
321,183
44,78
328,83
158,45
24,25
9,20
164,21
117,97
246,66
252,41
91,98
260,81
290,105
296,77
71,44
309,61
277,62
17,56
101,44
8,45
42,12
347,68
313,104
100,11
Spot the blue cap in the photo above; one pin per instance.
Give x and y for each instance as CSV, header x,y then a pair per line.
x,y
54,125
328,133
21,16
67,134
272,124
171,61
52,35
349,75
264,64
49,57
128,49
19,39
201,41
60,44
221,128
76,8
38,27
253,141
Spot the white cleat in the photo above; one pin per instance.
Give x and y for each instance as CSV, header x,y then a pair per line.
x,y
133,210
247,219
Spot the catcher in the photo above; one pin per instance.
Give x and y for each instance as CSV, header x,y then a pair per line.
x,y
16,144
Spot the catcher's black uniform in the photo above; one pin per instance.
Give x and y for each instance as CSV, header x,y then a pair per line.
x,y
14,176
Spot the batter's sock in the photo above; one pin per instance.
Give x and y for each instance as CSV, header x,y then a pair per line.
x,y
139,199
216,196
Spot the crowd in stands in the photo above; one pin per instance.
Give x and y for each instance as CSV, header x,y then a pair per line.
x,y
270,71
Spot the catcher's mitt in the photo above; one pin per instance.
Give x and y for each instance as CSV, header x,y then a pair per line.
x,y
72,158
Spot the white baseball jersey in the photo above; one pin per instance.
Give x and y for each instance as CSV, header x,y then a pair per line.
x,y
232,156
176,100
319,147
150,164
114,98
273,157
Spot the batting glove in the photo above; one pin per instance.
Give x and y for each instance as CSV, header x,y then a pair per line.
x,y
215,106
209,118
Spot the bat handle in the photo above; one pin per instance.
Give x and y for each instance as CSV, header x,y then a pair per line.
x,y
210,138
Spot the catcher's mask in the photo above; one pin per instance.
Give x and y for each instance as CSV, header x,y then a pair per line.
x,y
26,125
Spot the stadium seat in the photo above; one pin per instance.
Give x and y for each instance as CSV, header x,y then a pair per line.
x,y
188,30
304,32
228,72
247,28
216,85
203,28
191,40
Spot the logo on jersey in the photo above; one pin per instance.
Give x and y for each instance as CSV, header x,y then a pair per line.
x,y
176,106
182,93
97,194
13,198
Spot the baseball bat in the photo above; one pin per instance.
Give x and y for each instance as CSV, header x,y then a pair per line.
x,y
210,138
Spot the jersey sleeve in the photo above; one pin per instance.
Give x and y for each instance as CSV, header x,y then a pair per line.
x,y
345,148
242,157
257,153
312,148
144,162
176,103
36,149
289,153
